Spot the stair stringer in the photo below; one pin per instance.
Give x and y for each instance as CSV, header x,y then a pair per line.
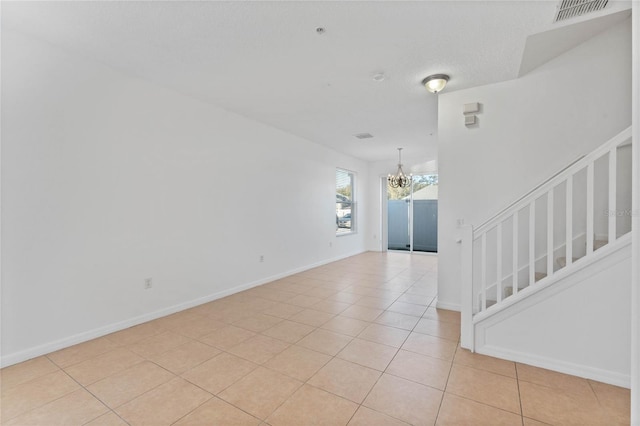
x,y
576,324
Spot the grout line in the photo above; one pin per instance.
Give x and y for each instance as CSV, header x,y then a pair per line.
x,y
444,391
519,395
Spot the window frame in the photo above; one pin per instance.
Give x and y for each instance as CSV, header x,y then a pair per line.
x,y
352,229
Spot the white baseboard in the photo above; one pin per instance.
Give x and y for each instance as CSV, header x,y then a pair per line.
x,y
65,342
448,306
610,377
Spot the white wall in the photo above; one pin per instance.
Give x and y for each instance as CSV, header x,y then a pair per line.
x,y
108,180
528,129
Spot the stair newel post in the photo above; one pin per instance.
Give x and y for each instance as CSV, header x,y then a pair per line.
x,y
499,264
590,197
613,165
550,248
569,225
515,253
466,331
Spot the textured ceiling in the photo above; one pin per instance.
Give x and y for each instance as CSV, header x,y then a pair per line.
x,y
266,61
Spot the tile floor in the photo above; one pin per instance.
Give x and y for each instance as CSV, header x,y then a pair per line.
x,y
356,342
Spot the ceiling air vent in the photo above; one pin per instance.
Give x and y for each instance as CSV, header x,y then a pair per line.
x,y
572,8
364,136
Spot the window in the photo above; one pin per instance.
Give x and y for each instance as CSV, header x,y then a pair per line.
x,y
345,202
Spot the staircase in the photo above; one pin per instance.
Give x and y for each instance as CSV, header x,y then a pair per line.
x,y
573,220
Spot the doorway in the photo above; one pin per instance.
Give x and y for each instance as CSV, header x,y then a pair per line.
x,y
412,215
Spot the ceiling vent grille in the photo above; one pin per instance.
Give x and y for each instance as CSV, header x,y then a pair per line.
x,y
571,8
364,136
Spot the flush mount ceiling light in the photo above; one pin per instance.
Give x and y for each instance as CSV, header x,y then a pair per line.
x,y
400,180
435,83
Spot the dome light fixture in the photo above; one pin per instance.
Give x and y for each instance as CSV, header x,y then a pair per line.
x,y
399,180
435,83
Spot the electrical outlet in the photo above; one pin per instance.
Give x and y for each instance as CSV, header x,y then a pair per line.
x,y
261,258
330,244
148,283
460,222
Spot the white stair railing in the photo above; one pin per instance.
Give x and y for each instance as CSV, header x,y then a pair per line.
x,y
545,232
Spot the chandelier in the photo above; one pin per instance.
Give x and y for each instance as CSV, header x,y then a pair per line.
x,y
399,180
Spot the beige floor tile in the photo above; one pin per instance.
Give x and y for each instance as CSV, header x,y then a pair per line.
x,y
312,317
165,404
374,302
81,352
76,408
185,357
325,341
615,400
27,396
227,337
26,371
397,320
219,372
442,315
345,297
258,303
530,422
330,306
136,333
362,313
128,384
158,344
283,310
445,330
311,406
575,385
407,308
258,322
423,369
346,325
320,292
109,419
416,299
259,349
370,354
483,362
386,335
232,314
260,392
218,412
555,406
368,417
402,399
431,346
297,362
304,301
102,366
484,387
198,327
457,411
289,331
177,320
345,379
278,295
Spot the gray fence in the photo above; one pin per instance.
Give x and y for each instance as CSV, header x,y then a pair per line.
x,y
425,225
